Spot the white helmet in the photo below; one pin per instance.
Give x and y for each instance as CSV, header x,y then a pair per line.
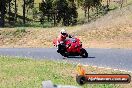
x,y
63,32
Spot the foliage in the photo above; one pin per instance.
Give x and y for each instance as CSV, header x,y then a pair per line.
x,y
47,10
63,10
3,10
66,11
57,12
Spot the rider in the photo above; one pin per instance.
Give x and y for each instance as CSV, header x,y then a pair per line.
x,y
62,36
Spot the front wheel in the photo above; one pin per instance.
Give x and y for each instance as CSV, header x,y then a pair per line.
x,y
81,80
84,53
65,54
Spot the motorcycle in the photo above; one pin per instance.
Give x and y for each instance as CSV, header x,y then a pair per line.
x,y
71,47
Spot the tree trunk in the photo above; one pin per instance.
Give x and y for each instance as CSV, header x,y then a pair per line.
x,y
85,12
9,13
15,11
2,13
54,19
24,10
121,3
108,4
97,9
88,13
48,16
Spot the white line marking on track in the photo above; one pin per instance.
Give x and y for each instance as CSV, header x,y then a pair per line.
x,y
109,68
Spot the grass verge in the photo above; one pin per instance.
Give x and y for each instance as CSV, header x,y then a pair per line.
x,y
27,73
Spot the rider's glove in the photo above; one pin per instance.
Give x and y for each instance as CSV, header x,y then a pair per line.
x,y
70,36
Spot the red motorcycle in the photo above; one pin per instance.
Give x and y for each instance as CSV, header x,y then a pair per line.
x,y
71,47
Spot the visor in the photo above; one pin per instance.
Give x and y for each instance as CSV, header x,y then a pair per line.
x,y
63,33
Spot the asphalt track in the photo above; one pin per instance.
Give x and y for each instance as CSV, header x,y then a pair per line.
x,y
110,58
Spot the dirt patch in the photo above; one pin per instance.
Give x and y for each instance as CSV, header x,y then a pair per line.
x,y
110,38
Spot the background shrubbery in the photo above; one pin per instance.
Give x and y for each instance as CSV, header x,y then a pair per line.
x,y
48,13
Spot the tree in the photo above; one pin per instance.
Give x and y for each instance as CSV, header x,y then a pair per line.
x,y
47,9
6,10
15,10
9,9
87,5
3,11
72,10
66,12
97,4
27,4
79,2
48,13
108,3
24,11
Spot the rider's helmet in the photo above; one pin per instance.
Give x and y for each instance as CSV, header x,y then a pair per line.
x,y
63,32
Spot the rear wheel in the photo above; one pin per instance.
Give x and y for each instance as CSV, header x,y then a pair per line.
x,y
84,53
66,54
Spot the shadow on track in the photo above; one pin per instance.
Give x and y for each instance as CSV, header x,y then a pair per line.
x,y
78,57
91,57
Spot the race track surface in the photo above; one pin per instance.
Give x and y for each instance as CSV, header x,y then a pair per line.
x,y
113,58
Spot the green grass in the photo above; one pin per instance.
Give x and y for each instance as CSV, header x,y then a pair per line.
x,y
27,73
